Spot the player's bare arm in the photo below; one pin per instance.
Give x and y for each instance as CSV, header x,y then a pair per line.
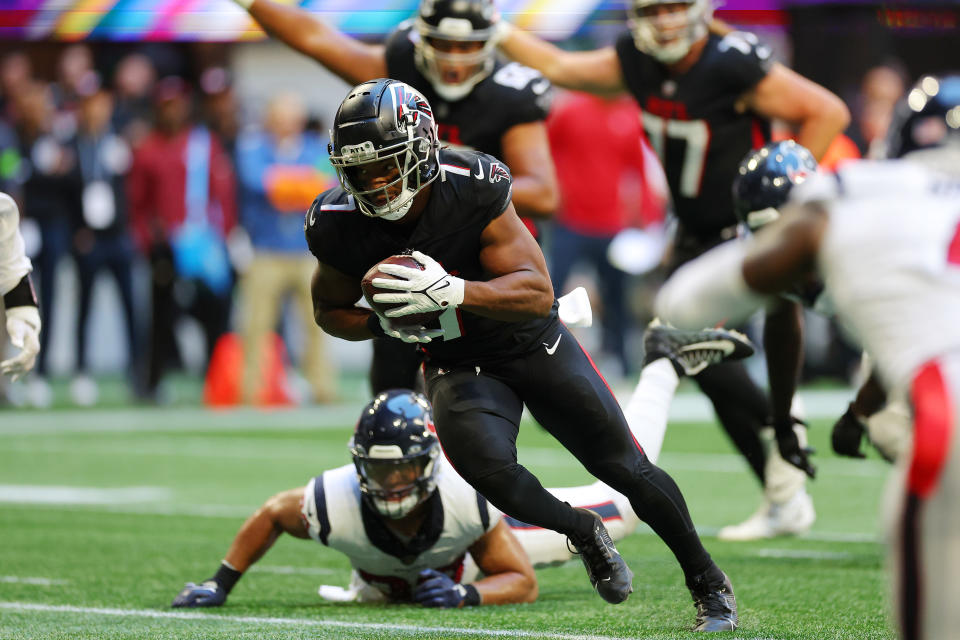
x,y
595,71
520,286
354,61
817,114
785,251
278,515
526,150
509,575
335,295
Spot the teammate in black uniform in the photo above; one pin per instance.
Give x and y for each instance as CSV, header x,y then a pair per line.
x,y
502,345
447,54
708,95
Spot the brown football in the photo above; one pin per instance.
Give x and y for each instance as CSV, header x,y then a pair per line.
x,y
413,320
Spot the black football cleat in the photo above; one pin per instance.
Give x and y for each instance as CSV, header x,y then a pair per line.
x,y
608,573
716,605
691,352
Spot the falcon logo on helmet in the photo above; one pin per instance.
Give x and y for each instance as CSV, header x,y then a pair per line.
x,y
666,29
383,145
455,44
396,453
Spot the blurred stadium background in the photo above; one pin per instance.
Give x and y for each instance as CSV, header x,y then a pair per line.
x,y
112,507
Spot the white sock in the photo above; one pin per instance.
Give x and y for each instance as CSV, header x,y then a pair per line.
x,y
649,406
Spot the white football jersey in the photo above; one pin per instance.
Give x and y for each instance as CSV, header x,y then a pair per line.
x,y
13,263
457,517
890,259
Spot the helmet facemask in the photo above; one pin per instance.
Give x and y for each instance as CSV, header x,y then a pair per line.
x,y
392,484
433,60
668,36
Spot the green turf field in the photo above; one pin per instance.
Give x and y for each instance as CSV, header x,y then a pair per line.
x,y
156,495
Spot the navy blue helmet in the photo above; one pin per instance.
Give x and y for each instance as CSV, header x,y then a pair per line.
x,y
765,178
927,117
395,452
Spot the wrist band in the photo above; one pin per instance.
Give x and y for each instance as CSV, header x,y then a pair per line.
x,y
373,323
472,596
226,576
21,295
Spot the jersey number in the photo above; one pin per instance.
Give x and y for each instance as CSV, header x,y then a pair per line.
x,y
515,75
696,135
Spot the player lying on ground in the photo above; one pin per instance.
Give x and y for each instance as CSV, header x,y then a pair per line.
x,y
19,299
411,527
884,237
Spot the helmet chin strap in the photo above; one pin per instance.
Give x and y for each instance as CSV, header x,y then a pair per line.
x,y
455,92
397,510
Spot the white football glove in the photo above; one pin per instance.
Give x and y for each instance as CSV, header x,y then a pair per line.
x,y
430,289
407,334
23,327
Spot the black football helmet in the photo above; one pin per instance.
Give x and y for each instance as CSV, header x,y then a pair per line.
x,y
455,21
668,37
928,117
395,452
764,180
384,126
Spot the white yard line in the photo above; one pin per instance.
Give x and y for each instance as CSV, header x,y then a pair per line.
x,y
686,407
44,494
309,571
406,629
40,582
800,554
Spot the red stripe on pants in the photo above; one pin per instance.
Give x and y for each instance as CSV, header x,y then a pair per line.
x,y
933,426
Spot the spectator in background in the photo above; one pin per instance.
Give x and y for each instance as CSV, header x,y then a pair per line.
x,y
16,73
880,90
592,209
74,65
101,238
279,171
133,83
220,107
49,193
182,206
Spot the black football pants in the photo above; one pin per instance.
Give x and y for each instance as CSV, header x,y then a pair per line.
x,y
477,414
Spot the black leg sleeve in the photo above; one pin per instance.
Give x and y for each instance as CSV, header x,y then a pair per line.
x,y
477,419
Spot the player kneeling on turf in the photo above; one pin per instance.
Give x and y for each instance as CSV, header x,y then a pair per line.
x,y
407,522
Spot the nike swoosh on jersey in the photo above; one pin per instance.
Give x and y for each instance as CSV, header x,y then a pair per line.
x,y
552,350
479,174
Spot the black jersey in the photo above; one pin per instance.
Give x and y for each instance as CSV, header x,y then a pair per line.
x,y
512,94
473,190
693,125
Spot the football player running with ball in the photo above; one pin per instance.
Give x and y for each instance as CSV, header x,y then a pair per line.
x,y
447,53
500,346
708,96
